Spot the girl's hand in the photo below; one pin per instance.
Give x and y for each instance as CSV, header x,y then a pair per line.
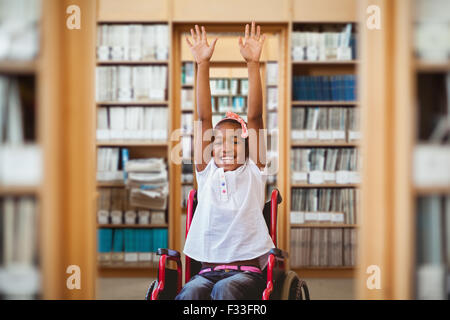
x,y
252,46
201,50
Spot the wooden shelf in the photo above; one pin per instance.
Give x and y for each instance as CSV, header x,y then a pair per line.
x,y
110,185
432,67
298,143
324,185
326,62
18,67
132,103
131,143
129,62
323,225
326,268
132,226
430,190
19,190
324,103
127,265
325,272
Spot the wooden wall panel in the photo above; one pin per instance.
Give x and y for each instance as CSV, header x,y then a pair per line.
x,y
133,10
324,10
231,10
227,48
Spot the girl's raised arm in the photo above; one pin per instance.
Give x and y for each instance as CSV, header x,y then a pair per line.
x,y
251,51
202,53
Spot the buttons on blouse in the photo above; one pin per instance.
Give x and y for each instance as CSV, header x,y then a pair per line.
x,y
223,187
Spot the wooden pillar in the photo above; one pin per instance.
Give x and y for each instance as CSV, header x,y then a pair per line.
x,y
67,70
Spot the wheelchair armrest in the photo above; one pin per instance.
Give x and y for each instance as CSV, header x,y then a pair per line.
x,y
168,252
278,253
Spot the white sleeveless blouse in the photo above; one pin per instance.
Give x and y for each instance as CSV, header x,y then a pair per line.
x,y
228,223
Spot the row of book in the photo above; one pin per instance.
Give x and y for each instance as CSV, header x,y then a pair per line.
x,y
430,30
271,73
132,123
272,98
131,83
187,73
187,99
19,269
132,42
325,123
19,21
20,156
432,249
323,247
114,207
324,88
111,164
224,104
272,121
325,165
148,182
324,43
187,172
130,245
229,86
187,147
324,205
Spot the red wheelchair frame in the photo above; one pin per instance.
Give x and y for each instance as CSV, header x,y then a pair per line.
x,y
276,261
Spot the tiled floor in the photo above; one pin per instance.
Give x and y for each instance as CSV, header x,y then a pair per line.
x,y
135,288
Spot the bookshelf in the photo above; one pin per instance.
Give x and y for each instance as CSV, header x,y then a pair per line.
x,y
152,54
397,239
279,24
299,139
22,144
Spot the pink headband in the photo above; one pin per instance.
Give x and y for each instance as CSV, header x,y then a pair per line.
x,y
234,116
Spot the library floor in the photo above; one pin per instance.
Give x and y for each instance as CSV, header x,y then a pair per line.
x,y
135,288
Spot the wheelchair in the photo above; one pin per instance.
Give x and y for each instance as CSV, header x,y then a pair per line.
x,y
280,284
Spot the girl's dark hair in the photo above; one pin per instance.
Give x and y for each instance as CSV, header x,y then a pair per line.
x,y
247,150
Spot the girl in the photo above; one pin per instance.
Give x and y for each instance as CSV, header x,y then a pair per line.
x,y
228,233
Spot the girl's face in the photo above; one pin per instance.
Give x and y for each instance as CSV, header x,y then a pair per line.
x,y
228,146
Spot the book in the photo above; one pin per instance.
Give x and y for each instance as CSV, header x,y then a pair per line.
x,y
324,205
132,42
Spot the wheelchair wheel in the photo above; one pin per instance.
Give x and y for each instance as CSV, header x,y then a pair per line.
x,y
152,286
294,288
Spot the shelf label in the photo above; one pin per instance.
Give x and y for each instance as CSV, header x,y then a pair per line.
x,y
316,177
131,256
325,135
342,177
354,135
354,177
298,135
116,217
145,256
297,217
311,216
338,134
311,134
299,176
329,176
103,217
324,216
337,217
